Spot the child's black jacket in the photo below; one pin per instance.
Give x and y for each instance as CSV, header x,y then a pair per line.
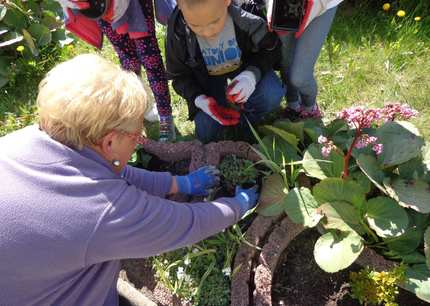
x,y
184,61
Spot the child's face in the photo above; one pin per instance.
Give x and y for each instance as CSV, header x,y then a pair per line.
x,y
206,19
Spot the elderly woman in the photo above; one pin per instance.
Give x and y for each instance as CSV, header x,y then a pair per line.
x,y
71,207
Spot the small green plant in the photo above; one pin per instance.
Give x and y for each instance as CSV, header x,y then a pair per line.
x,y
375,288
200,274
237,171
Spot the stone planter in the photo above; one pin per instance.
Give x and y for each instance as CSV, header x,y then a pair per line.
x,y
137,276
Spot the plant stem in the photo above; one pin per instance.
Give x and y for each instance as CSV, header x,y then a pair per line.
x,y
347,157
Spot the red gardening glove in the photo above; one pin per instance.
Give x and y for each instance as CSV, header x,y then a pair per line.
x,y
75,4
223,115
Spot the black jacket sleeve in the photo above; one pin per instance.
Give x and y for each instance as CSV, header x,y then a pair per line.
x,y
263,48
183,78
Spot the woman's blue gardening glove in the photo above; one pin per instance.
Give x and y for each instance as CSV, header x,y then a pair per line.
x,y
199,182
247,198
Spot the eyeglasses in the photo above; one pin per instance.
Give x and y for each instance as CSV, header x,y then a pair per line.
x,y
137,137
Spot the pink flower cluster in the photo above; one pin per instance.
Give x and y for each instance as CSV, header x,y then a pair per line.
x,y
364,140
328,145
359,118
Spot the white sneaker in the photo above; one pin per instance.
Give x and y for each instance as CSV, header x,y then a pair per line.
x,y
151,114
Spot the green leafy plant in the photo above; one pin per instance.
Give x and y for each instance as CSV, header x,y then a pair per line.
x,y
200,274
26,28
237,171
375,288
369,187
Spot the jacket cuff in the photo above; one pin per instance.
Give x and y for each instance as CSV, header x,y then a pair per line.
x,y
256,71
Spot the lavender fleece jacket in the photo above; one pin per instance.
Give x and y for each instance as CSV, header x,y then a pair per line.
x,y
66,219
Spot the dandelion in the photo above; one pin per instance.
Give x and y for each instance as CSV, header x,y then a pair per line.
x,y
401,13
386,6
418,18
20,48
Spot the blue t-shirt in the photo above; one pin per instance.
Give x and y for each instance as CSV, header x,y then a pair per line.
x,y
222,54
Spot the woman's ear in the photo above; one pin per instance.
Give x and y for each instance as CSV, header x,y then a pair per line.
x,y
106,143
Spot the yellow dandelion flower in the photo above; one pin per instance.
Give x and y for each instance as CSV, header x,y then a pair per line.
x,y
418,18
20,48
401,13
386,6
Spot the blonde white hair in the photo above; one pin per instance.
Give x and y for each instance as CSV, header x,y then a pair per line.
x,y
83,99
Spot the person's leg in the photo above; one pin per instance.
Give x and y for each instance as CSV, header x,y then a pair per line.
x,y
124,47
150,57
288,47
266,98
207,129
306,52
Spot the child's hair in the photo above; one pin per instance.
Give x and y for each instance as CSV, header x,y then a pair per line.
x,y
191,3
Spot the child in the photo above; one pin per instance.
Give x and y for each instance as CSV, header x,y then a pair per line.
x,y
210,42
129,26
300,51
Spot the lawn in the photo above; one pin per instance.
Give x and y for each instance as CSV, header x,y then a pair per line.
x,y
370,58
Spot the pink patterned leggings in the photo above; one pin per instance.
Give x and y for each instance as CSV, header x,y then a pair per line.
x,y
144,51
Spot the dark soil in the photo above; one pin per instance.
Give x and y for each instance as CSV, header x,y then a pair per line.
x,y
299,281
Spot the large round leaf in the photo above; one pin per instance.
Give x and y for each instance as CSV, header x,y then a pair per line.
x,y
371,168
350,215
413,194
427,246
362,180
332,219
401,141
334,252
337,189
3,10
386,217
301,207
272,196
320,167
406,243
41,33
418,281
15,19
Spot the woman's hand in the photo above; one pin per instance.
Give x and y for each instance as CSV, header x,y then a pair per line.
x,y
199,182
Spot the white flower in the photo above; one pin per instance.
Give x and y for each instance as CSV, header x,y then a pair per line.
x,y
187,261
195,250
180,273
226,271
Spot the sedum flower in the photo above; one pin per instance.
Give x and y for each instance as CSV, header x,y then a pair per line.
x,y
401,13
386,6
